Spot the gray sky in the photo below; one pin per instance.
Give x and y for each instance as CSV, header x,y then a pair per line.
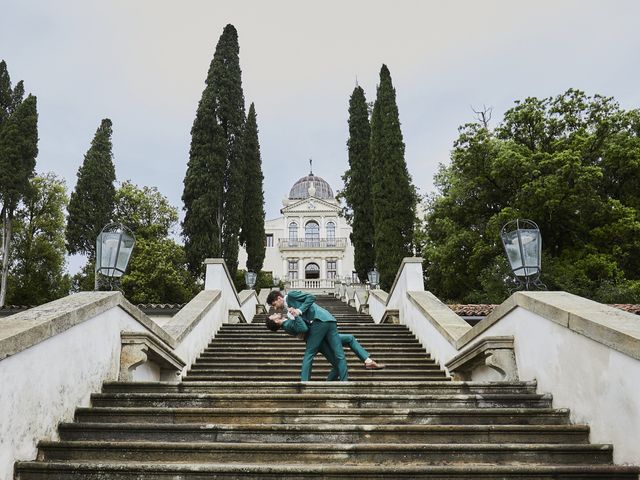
x,y
142,63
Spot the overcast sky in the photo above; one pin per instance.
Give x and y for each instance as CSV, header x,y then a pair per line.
x,y
143,63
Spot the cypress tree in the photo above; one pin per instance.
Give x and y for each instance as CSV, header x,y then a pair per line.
x,y
393,194
18,151
252,235
92,201
213,218
357,180
204,187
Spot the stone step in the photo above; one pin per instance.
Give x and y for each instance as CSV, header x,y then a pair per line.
x,y
266,335
326,416
322,433
244,471
283,339
317,400
283,351
320,377
319,374
298,346
327,453
396,357
319,367
373,387
294,362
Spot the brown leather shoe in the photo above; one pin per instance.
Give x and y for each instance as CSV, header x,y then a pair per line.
x,y
374,366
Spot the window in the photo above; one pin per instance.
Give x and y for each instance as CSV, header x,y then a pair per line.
x,y
293,269
332,268
331,234
293,234
312,270
312,233
268,240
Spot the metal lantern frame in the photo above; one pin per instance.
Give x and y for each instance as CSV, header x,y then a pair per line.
x,y
374,278
114,246
522,244
250,279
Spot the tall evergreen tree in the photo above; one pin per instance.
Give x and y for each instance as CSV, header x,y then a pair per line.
x,y
252,234
18,151
213,205
92,202
394,197
204,187
357,183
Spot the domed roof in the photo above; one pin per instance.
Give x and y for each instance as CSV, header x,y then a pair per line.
x,y
300,189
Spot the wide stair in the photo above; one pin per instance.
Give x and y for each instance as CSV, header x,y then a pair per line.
x,y
242,413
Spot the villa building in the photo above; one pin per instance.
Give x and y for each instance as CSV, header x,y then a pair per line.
x,y
309,246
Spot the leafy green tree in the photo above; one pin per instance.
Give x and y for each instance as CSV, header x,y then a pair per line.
x,y
252,234
570,164
37,272
92,201
357,184
213,185
18,151
157,271
144,210
394,196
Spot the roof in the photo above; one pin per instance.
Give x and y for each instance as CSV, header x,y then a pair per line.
x,y
300,189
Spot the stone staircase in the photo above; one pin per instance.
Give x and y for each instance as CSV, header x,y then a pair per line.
x,y
242,413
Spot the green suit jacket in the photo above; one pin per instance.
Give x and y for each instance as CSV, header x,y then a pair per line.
x,y
305,302
295,326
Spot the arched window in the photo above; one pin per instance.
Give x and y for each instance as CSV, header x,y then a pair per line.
x,y
331,234
312,270
293,234
312,233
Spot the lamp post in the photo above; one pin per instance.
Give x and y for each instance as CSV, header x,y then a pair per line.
x,y
374,278
250,278
114,246
523,245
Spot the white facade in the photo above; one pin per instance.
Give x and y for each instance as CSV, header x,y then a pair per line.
x,y
309,246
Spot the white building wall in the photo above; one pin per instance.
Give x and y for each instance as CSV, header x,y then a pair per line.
x,y
321,211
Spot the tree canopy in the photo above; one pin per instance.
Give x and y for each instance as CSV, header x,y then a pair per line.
x,y
357,184
213,185
252,235
157,271
393,194
92,201
37,273
571,163
18,152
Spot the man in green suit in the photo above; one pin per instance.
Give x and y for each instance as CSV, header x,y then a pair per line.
x,y
297,327
322,328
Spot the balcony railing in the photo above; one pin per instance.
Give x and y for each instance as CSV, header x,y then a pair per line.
x,y
310,244
305,283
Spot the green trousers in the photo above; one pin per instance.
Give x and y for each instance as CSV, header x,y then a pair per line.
x,y
323,337
350,341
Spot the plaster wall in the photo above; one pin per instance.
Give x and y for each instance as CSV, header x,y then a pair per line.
x,y
430,338
217,278
377,307
197,339
43,384
248,308
600,385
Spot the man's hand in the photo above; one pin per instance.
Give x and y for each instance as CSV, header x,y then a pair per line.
x,y
295,312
